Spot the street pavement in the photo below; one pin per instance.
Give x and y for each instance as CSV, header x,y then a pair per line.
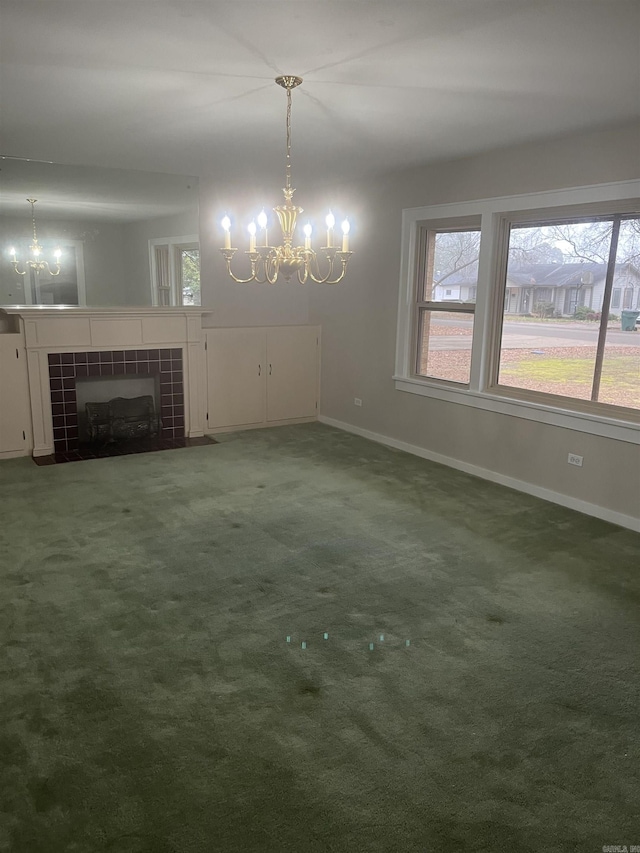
x,y
539,336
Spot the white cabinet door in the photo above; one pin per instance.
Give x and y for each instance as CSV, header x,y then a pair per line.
x,y
292,372
236,377
15,408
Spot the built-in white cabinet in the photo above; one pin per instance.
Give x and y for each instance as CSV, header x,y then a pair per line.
x,y
15,409
259,376
236,377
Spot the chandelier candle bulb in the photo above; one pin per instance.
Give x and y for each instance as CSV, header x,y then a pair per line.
x,y
251,228
345,235
226,224
331,221
307,236
262,222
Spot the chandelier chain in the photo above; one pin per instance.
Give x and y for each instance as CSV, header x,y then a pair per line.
x,y
32,202
288,170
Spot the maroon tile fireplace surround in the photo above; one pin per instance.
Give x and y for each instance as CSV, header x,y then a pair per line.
x,y
66,367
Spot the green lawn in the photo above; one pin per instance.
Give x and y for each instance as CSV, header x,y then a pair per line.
x,y
573,376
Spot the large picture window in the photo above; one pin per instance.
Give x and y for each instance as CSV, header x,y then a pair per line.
x,y
559,333
528,305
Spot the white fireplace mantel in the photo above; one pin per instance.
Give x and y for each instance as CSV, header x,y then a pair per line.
x,y
51,329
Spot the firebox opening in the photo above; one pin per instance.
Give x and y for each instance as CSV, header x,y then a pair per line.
x,y
121,408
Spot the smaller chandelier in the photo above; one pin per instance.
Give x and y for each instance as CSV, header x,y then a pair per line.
x,y
35,260
267,262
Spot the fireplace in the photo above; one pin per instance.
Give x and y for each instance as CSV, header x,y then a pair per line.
x,y
104,402
65,344
68,369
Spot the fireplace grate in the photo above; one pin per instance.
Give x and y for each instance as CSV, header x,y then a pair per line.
x,y
122,418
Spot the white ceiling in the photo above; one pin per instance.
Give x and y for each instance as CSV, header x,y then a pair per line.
x,y
186,86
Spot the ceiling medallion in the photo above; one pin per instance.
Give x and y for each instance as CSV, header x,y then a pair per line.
x,y
269,263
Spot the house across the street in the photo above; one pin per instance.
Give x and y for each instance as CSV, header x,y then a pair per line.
x,y
551,289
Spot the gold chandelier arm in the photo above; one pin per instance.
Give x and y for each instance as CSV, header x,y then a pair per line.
x,y
228,256
48,268
340,277
327,279
266,258
270,266
265,278
240,280
14,264
268,262
271,269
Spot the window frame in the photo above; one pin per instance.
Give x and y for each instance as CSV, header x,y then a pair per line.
x,y
174,246
496,215
427,231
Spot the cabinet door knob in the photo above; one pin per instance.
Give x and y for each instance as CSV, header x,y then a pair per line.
x,y
259,370
269,370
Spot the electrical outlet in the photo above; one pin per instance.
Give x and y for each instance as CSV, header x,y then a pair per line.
x,y
574,459
357,401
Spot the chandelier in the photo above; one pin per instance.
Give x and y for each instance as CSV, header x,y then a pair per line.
x,y
34,260
267,262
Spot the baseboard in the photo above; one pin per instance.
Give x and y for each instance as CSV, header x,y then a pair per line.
x,y
594,510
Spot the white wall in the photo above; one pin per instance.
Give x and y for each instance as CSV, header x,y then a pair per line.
x,y
358,320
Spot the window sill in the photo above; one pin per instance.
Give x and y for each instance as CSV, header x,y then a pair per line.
x,y
576,420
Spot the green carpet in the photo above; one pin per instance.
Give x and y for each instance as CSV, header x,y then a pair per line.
x,y
149,700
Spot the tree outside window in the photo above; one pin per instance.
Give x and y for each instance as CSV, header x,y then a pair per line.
x,y
190,276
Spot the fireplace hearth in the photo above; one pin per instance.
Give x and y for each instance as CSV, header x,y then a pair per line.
x,y
87,451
